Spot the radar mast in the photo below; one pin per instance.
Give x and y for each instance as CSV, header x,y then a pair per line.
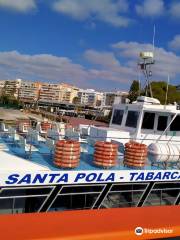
x,y
145,63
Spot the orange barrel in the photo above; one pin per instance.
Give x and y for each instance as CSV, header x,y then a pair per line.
x,y
67,154
105,154
45,126
135,154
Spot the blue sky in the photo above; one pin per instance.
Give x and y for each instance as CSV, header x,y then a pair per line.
x,y
91,44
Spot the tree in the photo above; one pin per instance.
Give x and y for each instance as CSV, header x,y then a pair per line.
x,y
134,91
159,91
75,100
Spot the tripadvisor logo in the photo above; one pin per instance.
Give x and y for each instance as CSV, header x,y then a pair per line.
x,y
138,231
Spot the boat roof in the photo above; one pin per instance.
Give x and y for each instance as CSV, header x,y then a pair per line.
x,y
149,107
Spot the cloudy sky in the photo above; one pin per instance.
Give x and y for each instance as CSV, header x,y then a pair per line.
x,y
88,43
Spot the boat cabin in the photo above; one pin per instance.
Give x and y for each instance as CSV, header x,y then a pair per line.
x,y
145,120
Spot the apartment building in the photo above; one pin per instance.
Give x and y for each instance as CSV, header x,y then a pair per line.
x,y
29,91
68,93
2,83
50,92
89,97
110,98
57,92
12,87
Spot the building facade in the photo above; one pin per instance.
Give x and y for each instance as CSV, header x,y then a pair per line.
x,y
49,92
68,93
2,83
110,98
12,87
63,93
89,97
29,91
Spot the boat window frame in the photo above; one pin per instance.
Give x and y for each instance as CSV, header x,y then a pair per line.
x,y
137,121
162,115
172,115
118,109
51,188
155,120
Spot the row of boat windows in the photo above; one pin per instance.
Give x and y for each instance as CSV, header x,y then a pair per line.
x,y
148,120
120,196
133,198
74,189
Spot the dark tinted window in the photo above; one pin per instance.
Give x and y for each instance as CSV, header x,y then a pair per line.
x,y
175,125
132,119
122,199
128,187
148,120
117,116
167,185
162,123
24,191
82,189
78,201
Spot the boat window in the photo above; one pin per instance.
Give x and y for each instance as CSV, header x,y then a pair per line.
x,y
161,197
28,204
77,201
122,199
117,116
132,119
21,205
82,189
162,123
148,120
6,206
11,192
175,125
128,187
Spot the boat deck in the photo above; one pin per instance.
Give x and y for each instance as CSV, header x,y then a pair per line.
x,y
41,158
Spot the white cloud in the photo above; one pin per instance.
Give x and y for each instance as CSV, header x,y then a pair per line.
x,y
150,8
41,67
109,11
46,67
105,59
175,9
165,62
109,67
114,67
175,43
18,5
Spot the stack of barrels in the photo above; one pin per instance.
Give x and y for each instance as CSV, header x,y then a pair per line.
x,y
67,154
105,154
45,126
135,154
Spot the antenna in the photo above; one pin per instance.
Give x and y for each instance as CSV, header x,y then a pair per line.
x,y
167,88
154,33
139,81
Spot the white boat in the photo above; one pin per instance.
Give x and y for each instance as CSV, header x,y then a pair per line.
x,y
34,179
